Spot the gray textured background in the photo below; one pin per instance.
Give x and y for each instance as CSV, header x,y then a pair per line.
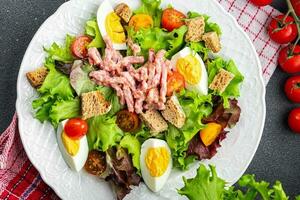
x,y
278,155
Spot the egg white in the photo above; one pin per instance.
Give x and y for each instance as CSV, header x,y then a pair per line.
x,y
74,162
105,9
154,183
202,85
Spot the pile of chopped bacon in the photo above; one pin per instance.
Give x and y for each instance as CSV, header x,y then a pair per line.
x,y
141,89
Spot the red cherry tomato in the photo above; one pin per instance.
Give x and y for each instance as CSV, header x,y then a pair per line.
x,y
261,2
283,31
292,89
175,83
172,19
294,120
76,128
296,6
79,46
290,61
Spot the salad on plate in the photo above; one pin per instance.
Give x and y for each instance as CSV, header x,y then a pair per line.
x,y
140,92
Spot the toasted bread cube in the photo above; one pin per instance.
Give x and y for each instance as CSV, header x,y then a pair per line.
x,y
174,112
123,11
221,81
154,121
196,27
212,41
37,77
94,104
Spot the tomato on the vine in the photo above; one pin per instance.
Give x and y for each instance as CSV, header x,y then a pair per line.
x,y
296,6
292,89
294,120
261,2
289,60
79,46
172,19
283,29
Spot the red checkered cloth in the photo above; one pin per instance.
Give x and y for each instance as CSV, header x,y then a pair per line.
x,y
20,180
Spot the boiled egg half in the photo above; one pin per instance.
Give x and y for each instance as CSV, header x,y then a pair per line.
x,y
109,24
156,163
74,152
189,64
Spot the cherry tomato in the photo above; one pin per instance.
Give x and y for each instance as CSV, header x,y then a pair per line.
x,y
294,120
76,128
261,2
79,46
283,31
289,60
95,163
127,121
296,6
172,19
292,89
176,83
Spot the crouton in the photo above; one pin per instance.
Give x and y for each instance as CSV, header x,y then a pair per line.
x,y
174,112
123,11
94,104
221,81
196,28
37,77
154,121
212,41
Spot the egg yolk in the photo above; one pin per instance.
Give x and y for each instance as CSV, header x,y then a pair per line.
x,y
157,161
114,28
71,146
190,68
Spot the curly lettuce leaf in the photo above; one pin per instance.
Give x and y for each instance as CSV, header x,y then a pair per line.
x,y
56,83
209,26
200,48
158,39
62,110
92,30
103,133
61,53
196,107
233,89
151,7
133,147
43,110
205,186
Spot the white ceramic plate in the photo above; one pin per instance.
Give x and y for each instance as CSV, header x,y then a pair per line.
x,y
39,139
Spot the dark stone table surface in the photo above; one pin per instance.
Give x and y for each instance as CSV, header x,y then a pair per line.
x,y
278,155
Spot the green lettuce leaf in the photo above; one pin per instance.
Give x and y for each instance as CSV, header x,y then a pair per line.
x,y
195,107
61,53
43,111
158,39
56,83
80,79
205,186
92,30
62,110
200,48
233,89
133,147
103,132
151,7
209,26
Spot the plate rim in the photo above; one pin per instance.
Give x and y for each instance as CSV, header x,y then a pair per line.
x,y
238,27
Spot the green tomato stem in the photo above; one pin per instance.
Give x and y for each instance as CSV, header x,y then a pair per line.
x,y
297,22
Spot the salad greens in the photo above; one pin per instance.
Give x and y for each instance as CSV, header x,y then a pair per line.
x,y
133,145
152,8
92,30
61,53
103,132
195,107
206,185
158,39
233,89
